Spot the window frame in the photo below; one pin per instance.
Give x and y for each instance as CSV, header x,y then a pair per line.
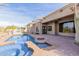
x,y
62,27
49,28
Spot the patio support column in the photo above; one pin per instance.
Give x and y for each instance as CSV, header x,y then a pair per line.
x,y
40,28
76,19
56,27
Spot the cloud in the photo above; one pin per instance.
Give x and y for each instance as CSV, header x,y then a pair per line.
x,y
8,16
22,14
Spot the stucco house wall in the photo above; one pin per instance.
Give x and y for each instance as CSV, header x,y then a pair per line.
x,y
39,26
53,28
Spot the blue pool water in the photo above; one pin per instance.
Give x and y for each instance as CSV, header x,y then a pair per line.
x,y
20,48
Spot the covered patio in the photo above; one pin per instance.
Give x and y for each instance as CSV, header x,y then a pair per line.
x,y
61,45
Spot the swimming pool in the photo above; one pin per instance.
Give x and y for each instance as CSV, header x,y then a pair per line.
x,y
20,48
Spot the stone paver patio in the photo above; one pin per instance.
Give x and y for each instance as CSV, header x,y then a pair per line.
x,y
63,44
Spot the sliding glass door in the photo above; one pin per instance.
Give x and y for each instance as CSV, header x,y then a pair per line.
x,y
67,27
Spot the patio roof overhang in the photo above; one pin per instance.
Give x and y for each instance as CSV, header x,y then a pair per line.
x,y
63,12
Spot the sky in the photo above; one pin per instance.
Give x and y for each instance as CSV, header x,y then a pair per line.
x,y
20,14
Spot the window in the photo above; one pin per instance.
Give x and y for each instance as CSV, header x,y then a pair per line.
x,y
49,28
67,27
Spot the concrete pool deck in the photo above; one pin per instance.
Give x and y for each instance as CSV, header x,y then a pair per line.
x,y
63,46
3,37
